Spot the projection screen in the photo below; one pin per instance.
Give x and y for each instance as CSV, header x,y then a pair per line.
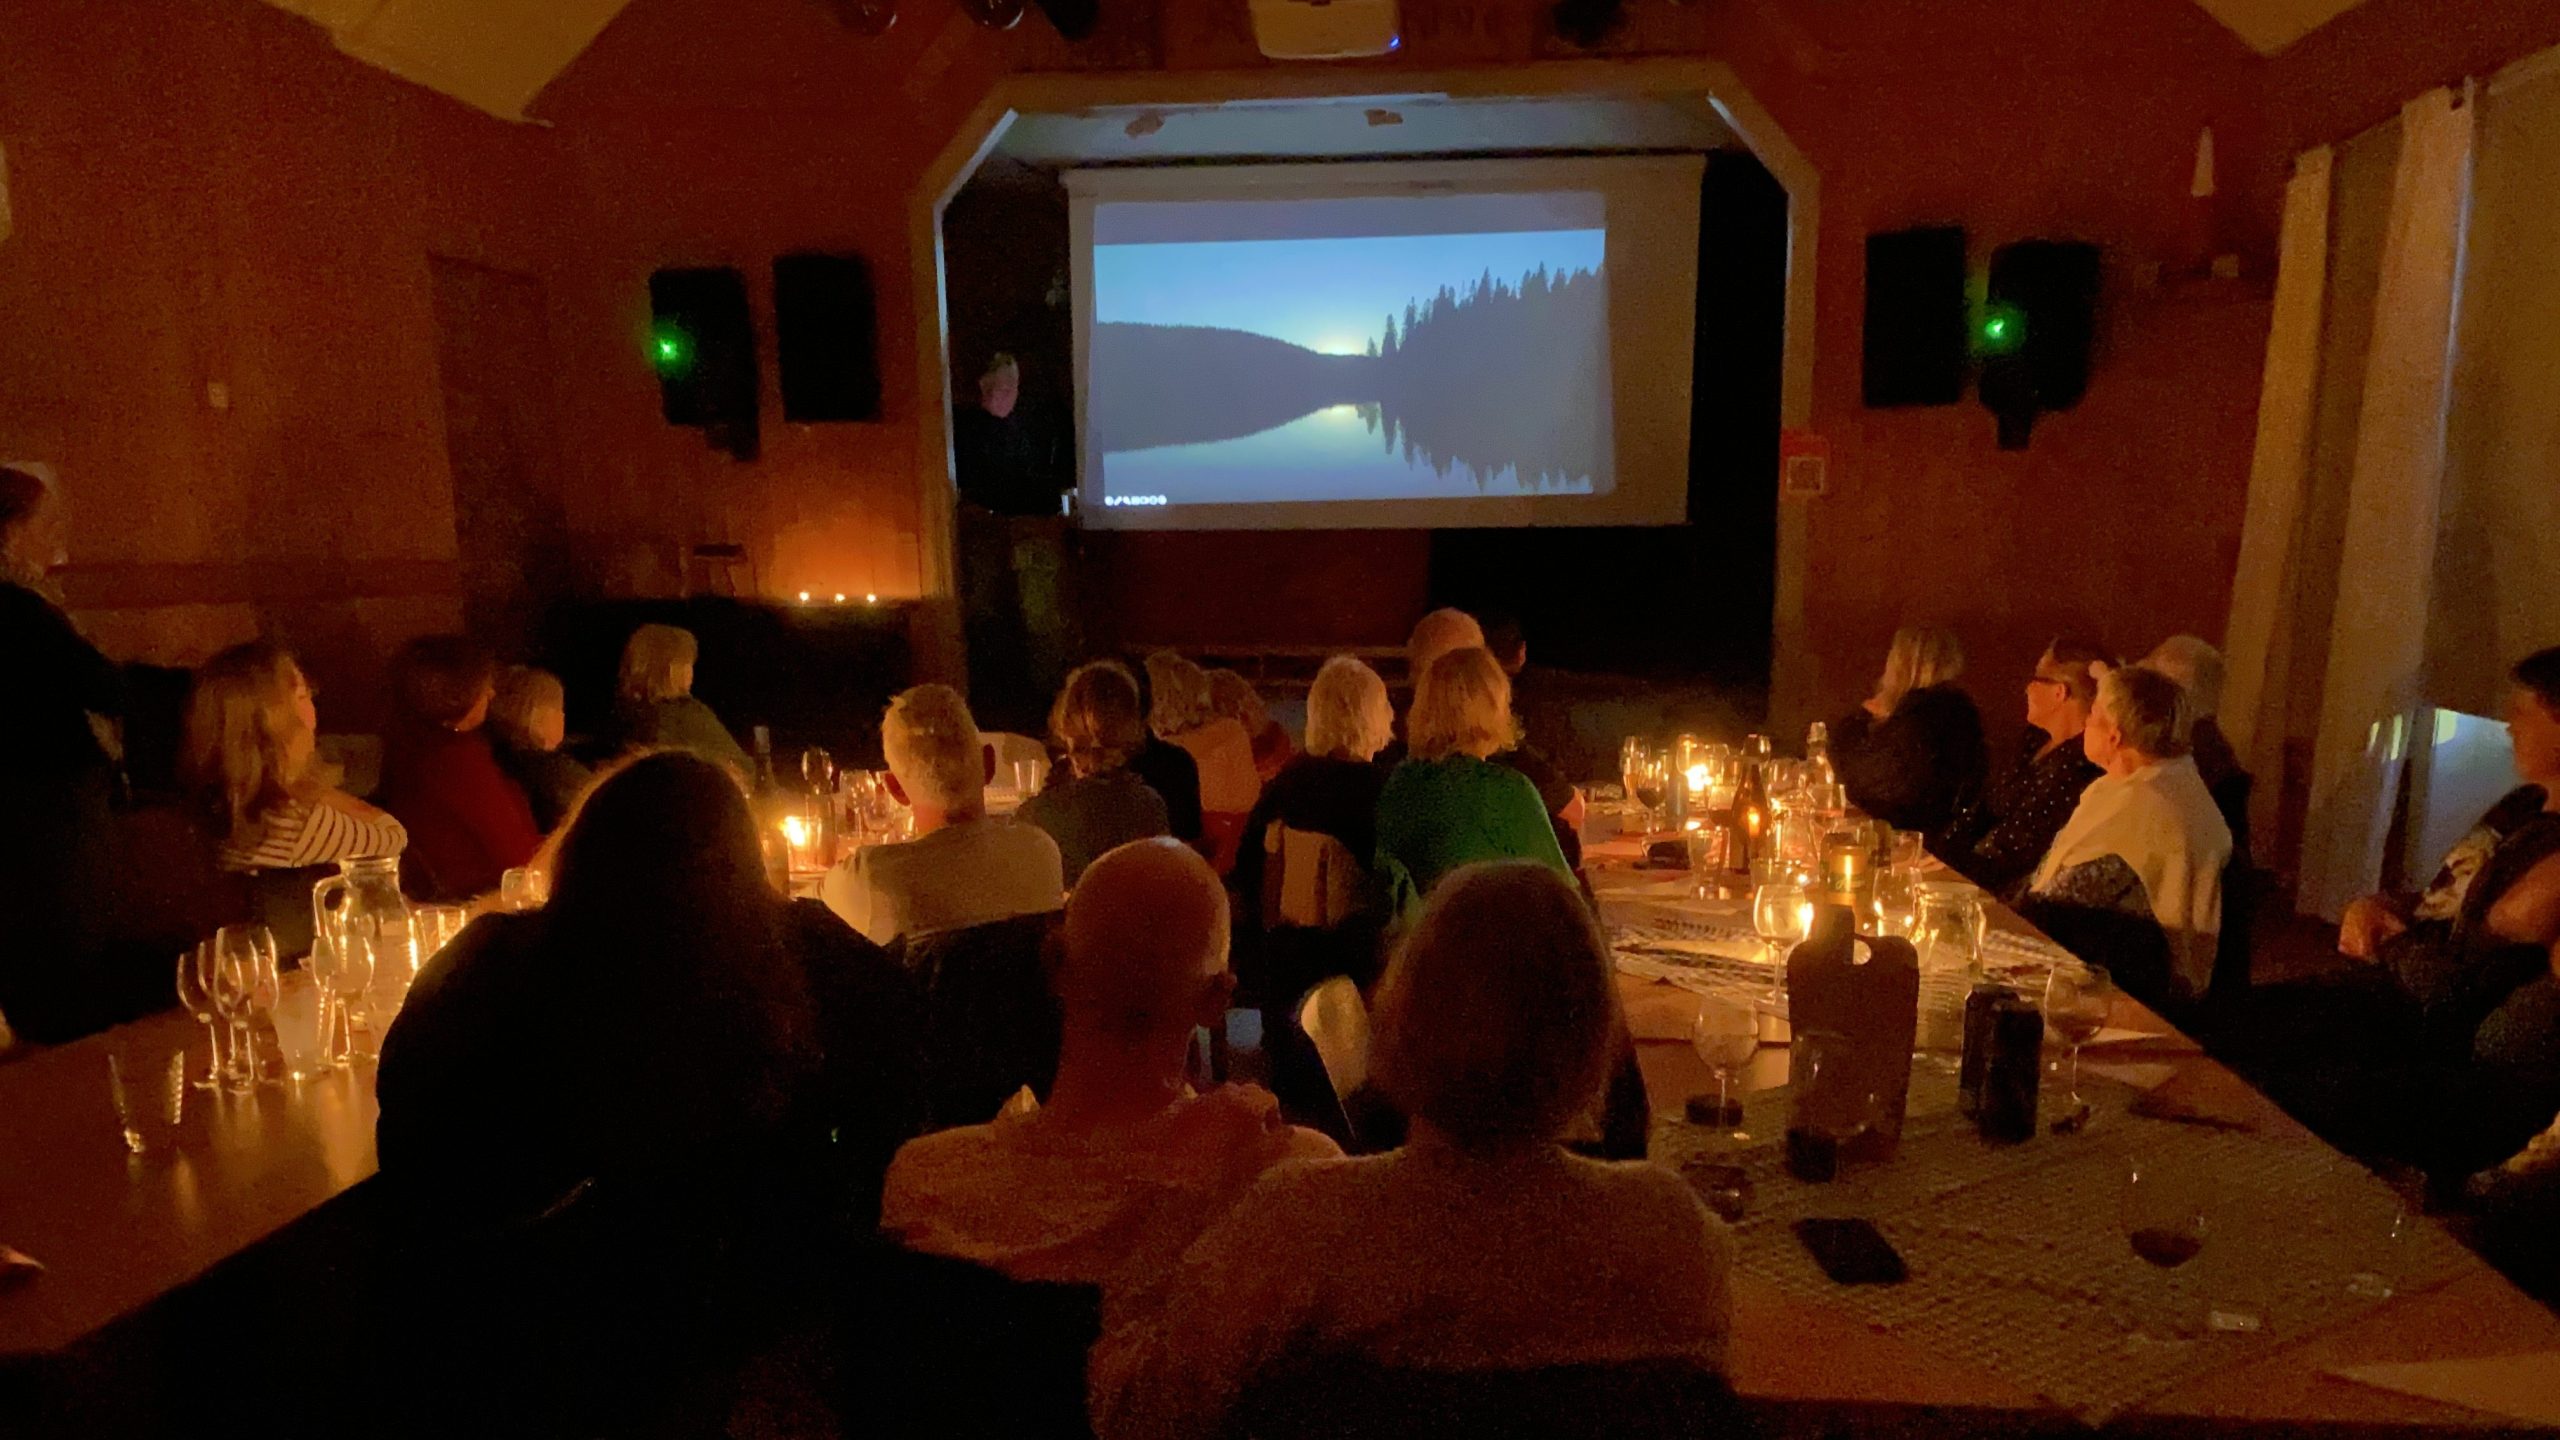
x,y
1441,344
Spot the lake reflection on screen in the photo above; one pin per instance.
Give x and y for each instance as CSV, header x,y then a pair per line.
x,y
1336,453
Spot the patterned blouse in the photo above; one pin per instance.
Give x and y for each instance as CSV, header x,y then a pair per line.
x,y
308,832
1997,842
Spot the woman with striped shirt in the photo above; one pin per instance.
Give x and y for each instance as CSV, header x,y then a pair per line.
x,y
251,737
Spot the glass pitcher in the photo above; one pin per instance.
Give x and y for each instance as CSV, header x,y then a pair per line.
x,y
361,916
1948,934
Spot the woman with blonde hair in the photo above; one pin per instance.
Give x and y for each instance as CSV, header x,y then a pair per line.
x,y
251,752
1101,804
1913,755
655,707
1331,791
1234,697
1483,1244
1182,713
1448,804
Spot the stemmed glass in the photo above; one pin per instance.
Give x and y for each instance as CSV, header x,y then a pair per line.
x,y
348,972
2077,1000
2164,1216
818,768
1726,1034
195,996
244,992
1781,913
1897,902
1646,772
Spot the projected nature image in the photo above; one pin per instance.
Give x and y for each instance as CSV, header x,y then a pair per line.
x,y
1361,368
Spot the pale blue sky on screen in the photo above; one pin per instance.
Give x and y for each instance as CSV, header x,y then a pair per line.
x,y
1331,295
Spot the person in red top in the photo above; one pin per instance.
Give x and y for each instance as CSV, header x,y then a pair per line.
x,y
468,821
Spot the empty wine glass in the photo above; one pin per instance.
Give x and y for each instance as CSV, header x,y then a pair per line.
x,y
349,975
1781,912
2077,1000
244,991
195,996
818,769
1726,1034
1897,902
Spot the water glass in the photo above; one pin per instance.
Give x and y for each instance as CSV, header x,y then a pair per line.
x,y
1026,777
302,1018
147,1085
523,888
437,925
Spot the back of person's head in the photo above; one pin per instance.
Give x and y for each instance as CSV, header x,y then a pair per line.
x,y
1348,716
934,749
2538,675
1233,697
657,663
1146,944
1497,1021
1504,637
527,707
2196,666
23,496
2149,710
247,748
1921,656
1461,707
1096,719
2073,659
662,922
443,679
1181,695
1435,635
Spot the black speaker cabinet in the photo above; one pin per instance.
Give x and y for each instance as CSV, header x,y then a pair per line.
x,y
826,336
2040,323
1916,317
704,348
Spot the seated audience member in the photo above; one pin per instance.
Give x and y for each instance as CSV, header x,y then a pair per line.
x,y
468,821
1482,1244
1912,755
1101,804
665,1015
530,716
65,969
1167,768
1124,1164
1997,840
1448,805
1331,791
2198,669
2137,870
1233,696
655,708
251,731
963,868
1442,631
1180,713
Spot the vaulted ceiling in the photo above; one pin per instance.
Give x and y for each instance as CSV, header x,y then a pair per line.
x,y
497,55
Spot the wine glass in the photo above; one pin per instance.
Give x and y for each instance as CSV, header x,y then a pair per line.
x,y
1897,902
2164,1216
2077,1000
1726,1034
350,978
1781,912
244,992
1833,1104
818,770
195,996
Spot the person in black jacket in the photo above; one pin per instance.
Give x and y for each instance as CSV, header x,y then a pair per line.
x,y
1997,841
1912,755
66,967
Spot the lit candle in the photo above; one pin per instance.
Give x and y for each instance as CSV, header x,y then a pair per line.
x,y
796,835
1697,777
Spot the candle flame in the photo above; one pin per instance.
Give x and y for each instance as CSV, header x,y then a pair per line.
x,y
1697,777
795,829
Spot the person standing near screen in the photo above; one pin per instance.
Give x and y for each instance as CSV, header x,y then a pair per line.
x,y
1000,460
1013,552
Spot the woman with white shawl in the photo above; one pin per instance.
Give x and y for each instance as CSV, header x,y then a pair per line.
x,y
2134,881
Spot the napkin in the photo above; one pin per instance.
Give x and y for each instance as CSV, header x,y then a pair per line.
x,y
2120,1035
2520,1387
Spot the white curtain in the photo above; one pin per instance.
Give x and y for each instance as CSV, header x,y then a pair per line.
x,y
2374,682
2253,706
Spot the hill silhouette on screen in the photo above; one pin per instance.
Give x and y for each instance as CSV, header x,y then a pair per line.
x,y
1490,378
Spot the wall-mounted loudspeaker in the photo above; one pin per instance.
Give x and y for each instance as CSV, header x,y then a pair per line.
x,y
2039,322
1916,317
704,349
825,338
1586,23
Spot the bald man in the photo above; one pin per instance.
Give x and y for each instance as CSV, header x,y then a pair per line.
x,y
1125,1165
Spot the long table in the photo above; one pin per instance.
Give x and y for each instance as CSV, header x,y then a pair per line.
x,y
1809,1349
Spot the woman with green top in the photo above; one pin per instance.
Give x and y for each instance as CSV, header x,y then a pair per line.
x,y
1448,805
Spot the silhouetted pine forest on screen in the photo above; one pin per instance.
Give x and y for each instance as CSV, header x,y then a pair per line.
x,y
1496,377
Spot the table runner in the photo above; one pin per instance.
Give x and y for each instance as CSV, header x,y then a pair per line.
x,y
1710,950
2018,1257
